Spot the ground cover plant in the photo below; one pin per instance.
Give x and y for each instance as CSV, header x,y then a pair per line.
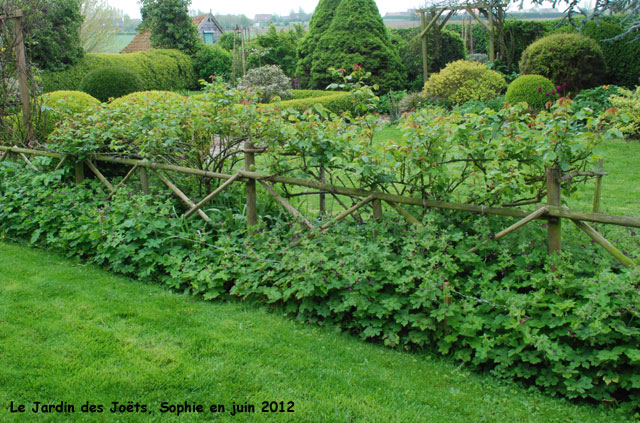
x,y
149,345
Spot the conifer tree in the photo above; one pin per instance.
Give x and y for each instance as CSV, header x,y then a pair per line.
x,y
357,36
320,22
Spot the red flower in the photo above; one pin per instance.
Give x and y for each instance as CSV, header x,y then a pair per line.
x,y
342,70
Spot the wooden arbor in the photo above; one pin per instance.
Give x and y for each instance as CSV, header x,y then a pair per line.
x,y
21,65
493,13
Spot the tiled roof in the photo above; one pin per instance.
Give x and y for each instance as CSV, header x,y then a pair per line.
x,y
142,40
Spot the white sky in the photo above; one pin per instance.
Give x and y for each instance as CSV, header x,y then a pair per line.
x,y
252,7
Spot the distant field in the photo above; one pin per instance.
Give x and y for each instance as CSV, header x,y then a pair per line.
x,y
119,42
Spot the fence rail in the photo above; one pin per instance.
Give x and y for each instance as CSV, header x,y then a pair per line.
x,y
552,212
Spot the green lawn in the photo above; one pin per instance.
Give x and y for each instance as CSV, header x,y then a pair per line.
x,y
75,333
118,42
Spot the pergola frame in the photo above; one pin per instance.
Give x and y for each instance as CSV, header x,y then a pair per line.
x,y
430,18
21,62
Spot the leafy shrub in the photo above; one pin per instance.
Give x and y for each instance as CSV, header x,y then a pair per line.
x,y
300,94
478,57
462,81
596,99
268,80
478,107
60,104
142,99
628,104
336,102
110,82
518,34
158,69
212,60
565,58
567,323
412,101
535,90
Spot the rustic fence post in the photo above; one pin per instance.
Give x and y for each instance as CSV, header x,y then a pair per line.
x,y
250,185
377,209
22,76
144,181
79,172
554,198
597,193
323,200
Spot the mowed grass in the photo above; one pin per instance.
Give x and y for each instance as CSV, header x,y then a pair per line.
x,y
75,333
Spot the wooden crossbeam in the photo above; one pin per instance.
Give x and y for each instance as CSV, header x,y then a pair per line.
x,y
535,215
286,205
445,20
4,156
209,197
26,159
348,212
181,195
100,176
604,243
403,212
125,179
477,18
61,162
430,24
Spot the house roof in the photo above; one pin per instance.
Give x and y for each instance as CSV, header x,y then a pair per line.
x,y
142,40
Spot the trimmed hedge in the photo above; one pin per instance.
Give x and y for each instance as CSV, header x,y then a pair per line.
x,y
337,102
565,58
300,94
533,89
158,69
462,81
145,97
110,82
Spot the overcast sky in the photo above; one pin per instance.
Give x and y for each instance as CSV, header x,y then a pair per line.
x,y
251,7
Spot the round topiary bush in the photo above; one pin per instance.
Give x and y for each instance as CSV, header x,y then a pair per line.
x,y
269,80
110,82
145,97
573,59
534,89
462,81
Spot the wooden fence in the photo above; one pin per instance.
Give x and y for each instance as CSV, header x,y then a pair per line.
x,y
553,212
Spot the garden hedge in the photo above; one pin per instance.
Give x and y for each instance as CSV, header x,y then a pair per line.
x,y
159,69
336,102
110,82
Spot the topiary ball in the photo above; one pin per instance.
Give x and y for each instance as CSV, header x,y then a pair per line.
x,y
573,59
461,81
532,89
145,97
110,82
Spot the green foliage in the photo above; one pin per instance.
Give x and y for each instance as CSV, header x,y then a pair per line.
x,y
336,102
409,45
565,58
319,24
275,48
300,94
212,61
357,36
142,99
596,99
170,24
267,81
628,104
462,81
157,69
58,105
518,35
568,324
413,101
535,90
110,82
51,32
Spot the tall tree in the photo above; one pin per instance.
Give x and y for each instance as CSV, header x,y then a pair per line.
x,y
357,36
320,22
100,24
170,24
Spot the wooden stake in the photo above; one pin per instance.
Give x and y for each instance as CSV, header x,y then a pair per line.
x,y
22,76
181,195
597,193
125,179
250,185
535,215
144,181
347,212
423,37
61,162
209,197
323,200
100,176
79,172
26,159
554,231
492,37
602,241
377,209
286,205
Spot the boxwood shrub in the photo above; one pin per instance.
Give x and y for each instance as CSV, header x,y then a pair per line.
x,y
534,89
110,82
336,102
159,69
